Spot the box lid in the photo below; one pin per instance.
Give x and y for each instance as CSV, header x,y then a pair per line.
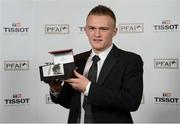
x,y
60,51
62,56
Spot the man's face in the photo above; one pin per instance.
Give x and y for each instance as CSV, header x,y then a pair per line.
x,y
100,30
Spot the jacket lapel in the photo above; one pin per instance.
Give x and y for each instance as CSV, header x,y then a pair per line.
x,y
82,61
107,66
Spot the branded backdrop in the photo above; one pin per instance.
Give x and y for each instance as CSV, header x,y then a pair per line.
x,y
32,28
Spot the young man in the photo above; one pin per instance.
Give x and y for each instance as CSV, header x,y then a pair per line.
x,y
117,87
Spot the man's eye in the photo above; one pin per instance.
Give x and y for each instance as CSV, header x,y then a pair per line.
x,y
91,28
104,29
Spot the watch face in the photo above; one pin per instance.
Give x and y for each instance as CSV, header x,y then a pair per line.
x,y
53,70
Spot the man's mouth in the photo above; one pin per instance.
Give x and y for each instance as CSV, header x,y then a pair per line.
x,y
97,40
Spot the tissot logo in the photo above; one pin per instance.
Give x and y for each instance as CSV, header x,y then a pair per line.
x,y
166,63
16,27
57,29
143,100
166,98
48,99
166,26
17,65
131,28
81,29
17,99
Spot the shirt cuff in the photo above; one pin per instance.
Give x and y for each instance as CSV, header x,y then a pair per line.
x,y
86,92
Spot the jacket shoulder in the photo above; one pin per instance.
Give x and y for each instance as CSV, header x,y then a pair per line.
x,y
81,56
127,55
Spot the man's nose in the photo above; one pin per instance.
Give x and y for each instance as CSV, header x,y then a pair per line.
x,y
97,33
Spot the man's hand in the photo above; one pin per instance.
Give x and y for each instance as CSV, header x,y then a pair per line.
x,y
55,86
79,83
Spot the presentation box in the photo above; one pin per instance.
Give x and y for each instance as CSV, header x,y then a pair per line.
x,y
62,67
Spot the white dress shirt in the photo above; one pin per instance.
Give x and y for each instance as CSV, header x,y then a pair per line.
x,y
100,63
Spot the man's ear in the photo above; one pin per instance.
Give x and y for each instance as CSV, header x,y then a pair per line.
x,y
85,28
115,31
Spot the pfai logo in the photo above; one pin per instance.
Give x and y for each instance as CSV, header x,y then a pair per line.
x,y
48,99
166,63
57,29
17,65
131,28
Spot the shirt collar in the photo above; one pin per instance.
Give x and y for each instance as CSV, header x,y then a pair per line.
x,y
103,54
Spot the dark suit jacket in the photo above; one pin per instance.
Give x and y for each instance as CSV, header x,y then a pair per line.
x,y
117,92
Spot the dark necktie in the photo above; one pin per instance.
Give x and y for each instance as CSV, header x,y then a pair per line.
x,y
92,76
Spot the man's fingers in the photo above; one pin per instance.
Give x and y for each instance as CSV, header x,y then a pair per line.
x,y
77,74
71,80
74,85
